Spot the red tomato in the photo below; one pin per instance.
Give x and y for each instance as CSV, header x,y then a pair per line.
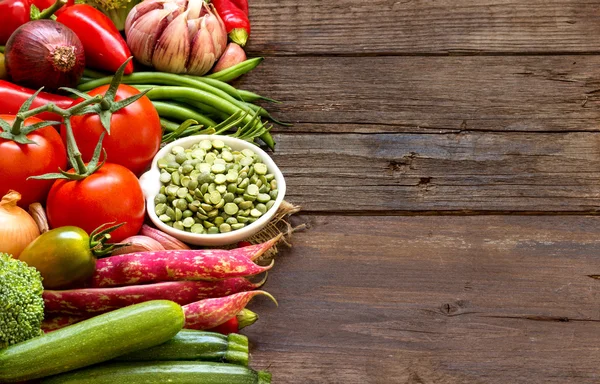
x,y
20,161
111,194
135,131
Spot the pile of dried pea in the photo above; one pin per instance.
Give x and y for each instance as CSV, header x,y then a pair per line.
x,y
210,188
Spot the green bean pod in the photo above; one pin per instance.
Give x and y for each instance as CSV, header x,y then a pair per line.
x,y
239,94
168,125
170,79
250,97
205,108
181,113
90,73
173,92
237,70
223,86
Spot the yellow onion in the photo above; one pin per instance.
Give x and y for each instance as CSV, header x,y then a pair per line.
x,y
17,228
177,36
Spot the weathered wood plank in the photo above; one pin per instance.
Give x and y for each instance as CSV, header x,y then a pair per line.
x,y
495,299
423,26
432,94
485,172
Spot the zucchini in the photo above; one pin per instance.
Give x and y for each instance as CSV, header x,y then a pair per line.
x,y
191,344
92,341
161,372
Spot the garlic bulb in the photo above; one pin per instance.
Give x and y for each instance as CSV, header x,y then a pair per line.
x,y
177,36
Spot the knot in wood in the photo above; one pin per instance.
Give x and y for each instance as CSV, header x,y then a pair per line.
x,y
449,308
452,308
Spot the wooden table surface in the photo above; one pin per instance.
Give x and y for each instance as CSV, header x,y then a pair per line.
x,y
447,158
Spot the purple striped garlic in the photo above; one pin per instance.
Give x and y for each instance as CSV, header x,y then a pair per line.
x,y
176,36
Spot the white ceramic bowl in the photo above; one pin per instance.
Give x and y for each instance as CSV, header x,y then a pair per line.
x,y
151,185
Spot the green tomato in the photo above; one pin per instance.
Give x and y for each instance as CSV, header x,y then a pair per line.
x,y
63,257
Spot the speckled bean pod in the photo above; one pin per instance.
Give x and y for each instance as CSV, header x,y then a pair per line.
x,y
94,301
209,313
172,265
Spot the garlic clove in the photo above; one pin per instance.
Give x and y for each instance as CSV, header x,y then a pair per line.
x,y
216,27
194,8
194,26
145,32
173,48
140,10
202,56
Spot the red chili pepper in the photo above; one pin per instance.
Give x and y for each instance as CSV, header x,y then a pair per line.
x,y
243,319
14,13
230,326
235,18
104,47
12,96
43,4
242,4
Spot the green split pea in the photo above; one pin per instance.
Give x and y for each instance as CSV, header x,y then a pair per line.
x,y
210,188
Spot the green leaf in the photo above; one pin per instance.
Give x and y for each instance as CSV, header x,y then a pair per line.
x,y
5,126
130,100
22,139
49,176
27,104
34,12
105,120
116,81
93,164
83,95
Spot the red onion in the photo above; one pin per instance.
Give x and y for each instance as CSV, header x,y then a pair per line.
x,y
44,53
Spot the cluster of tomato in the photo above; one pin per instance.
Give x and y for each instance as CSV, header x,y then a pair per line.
x,y
112,193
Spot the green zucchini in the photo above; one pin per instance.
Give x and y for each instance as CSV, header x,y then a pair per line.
x,y
191,344
161,372
92,341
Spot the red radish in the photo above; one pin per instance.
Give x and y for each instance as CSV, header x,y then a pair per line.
x,y
95,301
209,313
234,54
170,265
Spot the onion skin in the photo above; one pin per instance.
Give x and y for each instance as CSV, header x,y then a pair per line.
x,y
44,53
166,240
138,243
17,228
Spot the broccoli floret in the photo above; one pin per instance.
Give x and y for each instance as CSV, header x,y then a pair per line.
x,y
116,10
21,303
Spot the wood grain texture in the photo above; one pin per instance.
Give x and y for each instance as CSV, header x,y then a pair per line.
x,y
482,172
432,94
434,300
393,27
